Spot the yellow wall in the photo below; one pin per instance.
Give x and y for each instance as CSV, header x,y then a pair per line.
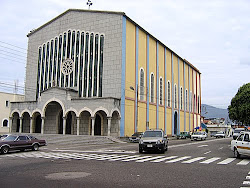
x,y
129,117
181,121
169,120
175,65
152,117
142,110
161,118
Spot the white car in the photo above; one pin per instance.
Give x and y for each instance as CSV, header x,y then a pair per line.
x,y
220,134
199,136
241,146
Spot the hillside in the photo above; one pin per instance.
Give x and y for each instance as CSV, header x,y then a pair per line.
x,y
212,112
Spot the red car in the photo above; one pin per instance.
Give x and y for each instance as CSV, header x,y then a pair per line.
x,y
20,142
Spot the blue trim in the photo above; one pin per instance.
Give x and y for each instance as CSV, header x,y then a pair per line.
x,y
189,96
136,79
122,124
147,79
179,97
172,93
184,94
157,86
165,97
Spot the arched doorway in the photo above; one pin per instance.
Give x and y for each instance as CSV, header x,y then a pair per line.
x,y
15,122
38,124
26,122
85,123
175,122
98,125
53,116
68,123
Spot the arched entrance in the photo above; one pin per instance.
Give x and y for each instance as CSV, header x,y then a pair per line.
x,y
85,123
71,124
53,116
26,122
38,123
175,122
115,122
15,122
98,125
60,123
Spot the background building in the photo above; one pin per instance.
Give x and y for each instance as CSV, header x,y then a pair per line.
x,y
5,106
100,73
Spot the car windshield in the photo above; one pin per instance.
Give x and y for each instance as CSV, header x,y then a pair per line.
x,y
10,138
152,134
220,132
237,131
183,133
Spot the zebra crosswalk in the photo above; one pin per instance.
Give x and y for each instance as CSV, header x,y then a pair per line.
x,y
128,158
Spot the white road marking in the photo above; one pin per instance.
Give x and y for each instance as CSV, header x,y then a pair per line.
x,y
163,159
207,152
178,159
244,162
226,161
193,160
220,148
129,157
202,146
246,182
210,160
248,177
137,158
149,159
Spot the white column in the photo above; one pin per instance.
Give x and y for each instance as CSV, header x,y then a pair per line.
x,y
78,125
93,125
10,124
21,125
109,124
31,125
42,126
64,125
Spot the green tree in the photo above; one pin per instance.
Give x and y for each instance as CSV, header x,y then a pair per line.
x,y
239,110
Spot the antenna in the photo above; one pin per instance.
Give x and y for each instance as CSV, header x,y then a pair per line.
x,y
16,87
89,3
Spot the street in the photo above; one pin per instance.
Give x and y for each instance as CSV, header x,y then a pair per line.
x,y
187,163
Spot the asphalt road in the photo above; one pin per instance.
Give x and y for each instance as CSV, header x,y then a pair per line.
x,y
187,163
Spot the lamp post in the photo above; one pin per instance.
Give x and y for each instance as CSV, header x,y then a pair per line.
x,y
132,88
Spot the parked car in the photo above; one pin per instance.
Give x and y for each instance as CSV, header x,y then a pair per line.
x,y
20,142
237,132
199,136
241,146
213,133
3,136
220,134
185,134
136,137
153,140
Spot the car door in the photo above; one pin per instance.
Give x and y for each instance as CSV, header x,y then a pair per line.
x,y
246,144
22,142
240,144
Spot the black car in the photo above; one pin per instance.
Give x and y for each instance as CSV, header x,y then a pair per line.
x,y
136,137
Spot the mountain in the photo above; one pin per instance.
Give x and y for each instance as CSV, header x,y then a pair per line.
x,y
212,112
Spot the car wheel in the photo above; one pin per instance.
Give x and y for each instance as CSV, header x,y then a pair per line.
x,y
22,150
162,150
5,150
35,147
166,149
140,150
236,153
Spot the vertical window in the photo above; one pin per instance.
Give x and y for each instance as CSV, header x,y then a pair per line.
x,y
101,66
38,71
59,61
55,62
77,57
152,85
175,96
86,65
141,84
91,64
63,56
191,102
169,96
198,106
96,65
181,99
186,99
43,62
81,66
195,103
68,45
72,56
51,62
160,92
7,103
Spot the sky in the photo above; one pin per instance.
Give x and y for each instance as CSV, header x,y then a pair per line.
x,y
213,35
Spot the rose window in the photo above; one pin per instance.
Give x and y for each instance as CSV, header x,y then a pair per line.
x,y
67,66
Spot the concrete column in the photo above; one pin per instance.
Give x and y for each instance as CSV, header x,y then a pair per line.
x,y
109,124
42,126
21,125
31,125
93,125
10,124
119,123
64,125
78,125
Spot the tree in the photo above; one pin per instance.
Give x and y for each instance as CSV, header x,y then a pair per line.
x,y
239,110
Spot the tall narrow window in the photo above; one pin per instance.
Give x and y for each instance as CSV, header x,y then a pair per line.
x,y
96,65
169,96
81,65
58,77
47,66
42,71
198,106
38,71
186,99
175,96
86,65
181,98
141,84
160,92
195,103
91,64
77,58
101,66
191,102
50,63
152,88
55,62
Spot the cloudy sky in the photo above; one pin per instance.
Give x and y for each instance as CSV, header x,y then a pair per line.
x,y
213,35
